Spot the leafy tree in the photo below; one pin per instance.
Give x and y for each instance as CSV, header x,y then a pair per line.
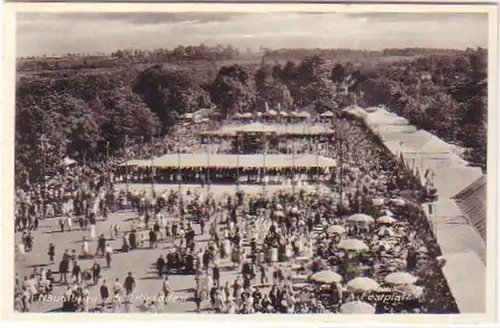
x,y
128,117
270,89
339,73
233,90
170,94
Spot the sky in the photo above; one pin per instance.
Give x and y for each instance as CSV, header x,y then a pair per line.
x,y
38,33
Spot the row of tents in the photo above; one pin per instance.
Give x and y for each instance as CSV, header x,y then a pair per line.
x,y
272,114
427,155
458,217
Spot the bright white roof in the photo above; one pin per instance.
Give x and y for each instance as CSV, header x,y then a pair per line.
x,y
233,161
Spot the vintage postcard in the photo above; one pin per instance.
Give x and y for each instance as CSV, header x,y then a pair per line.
x,y
295,162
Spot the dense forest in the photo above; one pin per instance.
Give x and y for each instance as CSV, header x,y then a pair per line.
x,y
83,105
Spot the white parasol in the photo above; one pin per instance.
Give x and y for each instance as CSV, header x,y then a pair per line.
x,y
69,161
279,214
363,284
361,218
326,277
386,219
353,245
398,202
357,307
415,291
335,229
304,114
400,278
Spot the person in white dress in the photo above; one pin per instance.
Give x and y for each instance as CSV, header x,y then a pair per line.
x,y
69,222
111,235
85,247
85,300
116,304
21,250
92,232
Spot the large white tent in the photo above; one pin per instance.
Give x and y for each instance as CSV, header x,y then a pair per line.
x,y
233,161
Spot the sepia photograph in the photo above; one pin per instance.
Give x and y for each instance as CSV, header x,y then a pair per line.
x,y
232,162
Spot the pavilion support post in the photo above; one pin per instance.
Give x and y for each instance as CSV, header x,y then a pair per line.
x,y
207,177
179,172
44,187
341,186
263,180
293,165
153,173
237,162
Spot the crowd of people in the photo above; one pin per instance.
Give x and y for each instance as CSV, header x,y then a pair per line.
x,y
365,227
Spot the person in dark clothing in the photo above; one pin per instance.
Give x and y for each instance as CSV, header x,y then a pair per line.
x,y
132,239
206,259
63,271
202,226
104,292
160,266
216,275
52,252
101,245
96,272
198,299
152,239
411,260
147,217
76,272
213,292
174,229
129,284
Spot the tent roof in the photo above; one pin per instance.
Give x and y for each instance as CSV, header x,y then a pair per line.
x,y
232,161
284,129
451,180
472,203
466,266
415,141
383,117
384,130
433,162
460,243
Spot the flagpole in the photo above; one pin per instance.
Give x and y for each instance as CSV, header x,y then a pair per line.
x,y
207,177
153,173
107,162
179,173
435,222
43,144
341,153
237,162
264,166
293,165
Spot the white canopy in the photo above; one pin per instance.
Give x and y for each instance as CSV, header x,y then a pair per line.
x,y
232,161
69,161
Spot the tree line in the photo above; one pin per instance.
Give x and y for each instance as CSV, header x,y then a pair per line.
x,y
89,114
